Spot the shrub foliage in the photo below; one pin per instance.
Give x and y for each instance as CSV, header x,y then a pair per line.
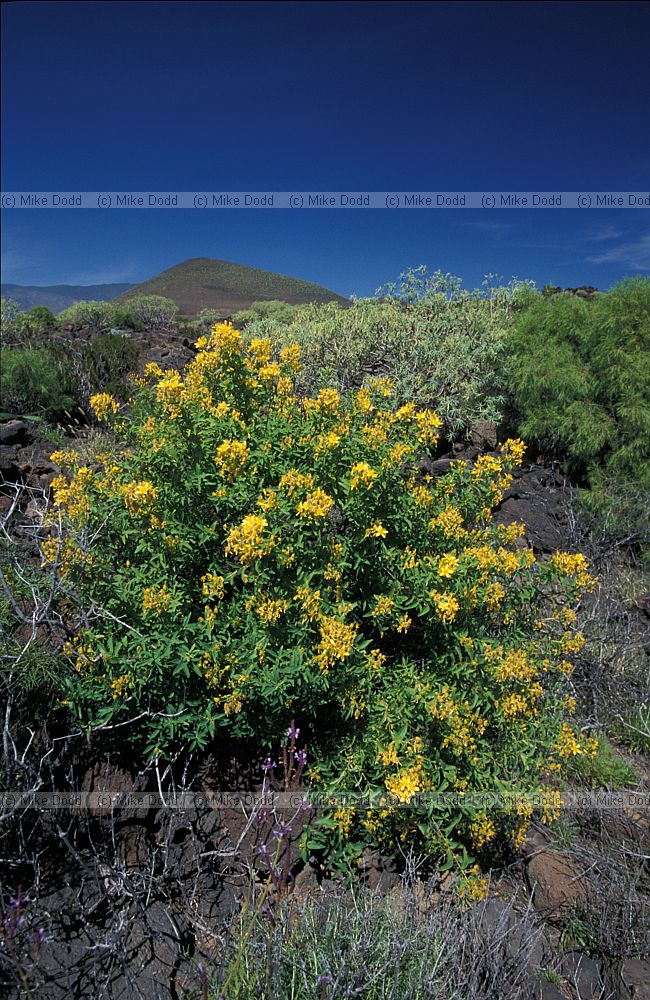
x,y
441,345
580,375
254,556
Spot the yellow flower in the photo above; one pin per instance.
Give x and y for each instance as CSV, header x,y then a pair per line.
x,y
513,705
156,599
120,686
317,505
169,392
362,475
269,610
383,606
493,596
572,643
293,480
104,404
64,458
363,400
224,339
291,356
422,496
375,659
429,424
574,566
404,624
482,831
231,457
449,521
515,667
327,401
376,530
310,601
447,565
446,605
406,784
343,820
213,586
268,500
568,744
138,497
514,450
247,541
473,890
336,642
260,350
551,805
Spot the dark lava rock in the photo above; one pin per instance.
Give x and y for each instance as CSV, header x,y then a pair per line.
x,y
583,974
635,978
15,432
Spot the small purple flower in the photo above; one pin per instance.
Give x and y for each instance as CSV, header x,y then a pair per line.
x,y
268,765
324,980
301,757
282,830
263,850
203,979
293,732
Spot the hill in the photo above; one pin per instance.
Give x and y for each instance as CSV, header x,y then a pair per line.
x,y
203,283
58,297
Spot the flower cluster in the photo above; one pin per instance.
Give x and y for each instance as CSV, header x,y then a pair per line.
x,y
259,554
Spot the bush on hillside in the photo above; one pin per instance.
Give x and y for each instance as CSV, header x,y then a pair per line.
x,y
91,315
207,318
35,382
271,309
103,364
442,346
39,320
51,380
124,319
580,375
254,557
153,312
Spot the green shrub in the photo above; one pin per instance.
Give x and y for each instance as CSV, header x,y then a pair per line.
x,y
104,364
206,319
271,309
441,345
254,557
124,319
35,381
605,769
9,313
580,375
94,316
153,312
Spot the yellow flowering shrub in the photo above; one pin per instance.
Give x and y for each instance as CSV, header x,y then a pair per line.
x,y
253,556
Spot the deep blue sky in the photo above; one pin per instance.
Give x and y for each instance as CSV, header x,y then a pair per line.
x,y
327,96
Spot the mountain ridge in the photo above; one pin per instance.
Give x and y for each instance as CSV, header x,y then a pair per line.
x,y
58,297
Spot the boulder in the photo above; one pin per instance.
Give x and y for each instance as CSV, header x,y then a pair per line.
x,y
16,432
583,974
557,885
484,435
635,977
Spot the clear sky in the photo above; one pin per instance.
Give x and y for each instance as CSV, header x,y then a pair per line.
x,y
327,96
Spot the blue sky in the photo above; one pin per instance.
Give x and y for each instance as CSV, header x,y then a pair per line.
x,y
326,96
